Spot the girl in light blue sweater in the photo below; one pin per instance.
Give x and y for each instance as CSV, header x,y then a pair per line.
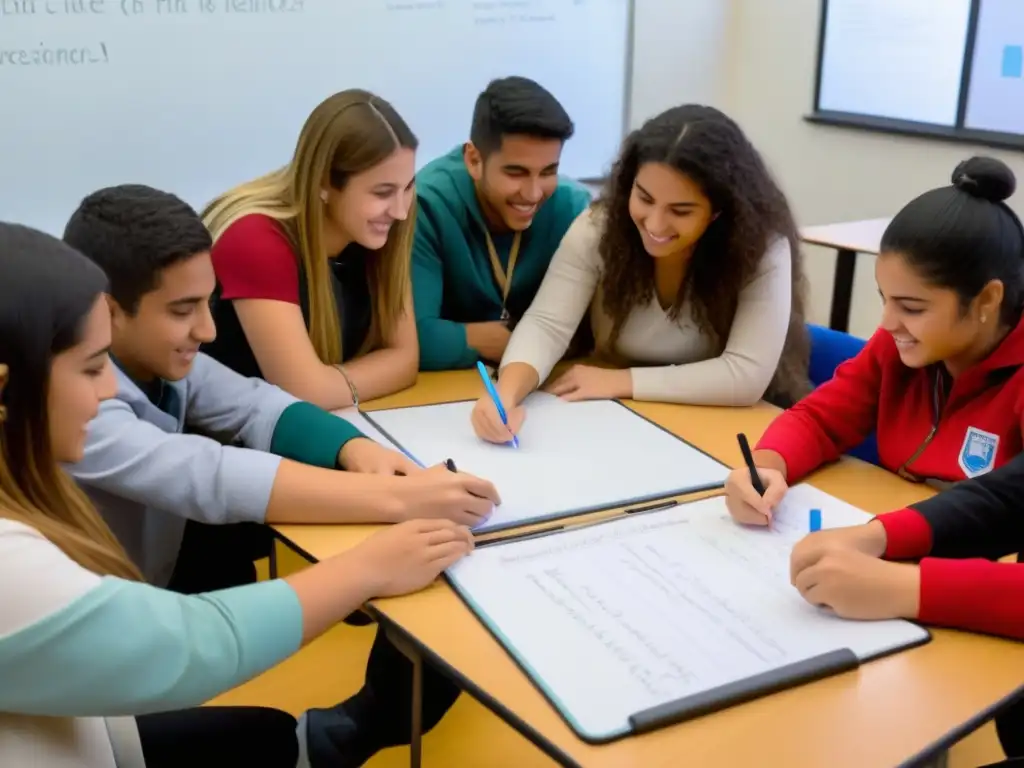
x,y
91,658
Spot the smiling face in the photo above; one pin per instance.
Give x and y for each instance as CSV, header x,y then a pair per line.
x,y
365,209
515,180
163,337
930,324
669,209
80,379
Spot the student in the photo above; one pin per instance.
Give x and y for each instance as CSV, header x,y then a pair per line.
x,y
312,260
168,495
491,215
941,381
84,643
262,455
690,266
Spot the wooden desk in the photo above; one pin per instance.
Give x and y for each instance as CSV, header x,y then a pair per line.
x,y
848,238
893,711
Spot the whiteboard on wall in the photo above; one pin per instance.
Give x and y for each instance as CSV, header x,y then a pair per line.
x,y
194,96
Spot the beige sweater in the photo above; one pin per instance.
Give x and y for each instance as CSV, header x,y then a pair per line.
x,y
672,360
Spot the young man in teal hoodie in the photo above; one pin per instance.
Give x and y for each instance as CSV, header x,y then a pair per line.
x,y
491,214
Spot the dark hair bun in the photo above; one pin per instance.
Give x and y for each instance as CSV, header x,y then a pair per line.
x,y
985,177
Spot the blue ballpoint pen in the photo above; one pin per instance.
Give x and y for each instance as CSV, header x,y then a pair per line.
x,y
494,396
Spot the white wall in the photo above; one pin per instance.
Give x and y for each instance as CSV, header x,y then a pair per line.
x,y
830,174
680,55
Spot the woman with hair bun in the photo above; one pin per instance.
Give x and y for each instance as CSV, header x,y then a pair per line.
x,y
941,381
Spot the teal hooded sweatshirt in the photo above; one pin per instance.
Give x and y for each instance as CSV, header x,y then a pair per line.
x,y
452,279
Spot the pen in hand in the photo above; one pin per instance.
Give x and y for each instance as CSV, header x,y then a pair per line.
x,y
450,464
755,478
748,458
495,398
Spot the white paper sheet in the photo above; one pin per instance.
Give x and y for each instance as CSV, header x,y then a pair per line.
x,y
572,457
616,618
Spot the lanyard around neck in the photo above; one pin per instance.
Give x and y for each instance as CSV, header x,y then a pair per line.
x,y
503,277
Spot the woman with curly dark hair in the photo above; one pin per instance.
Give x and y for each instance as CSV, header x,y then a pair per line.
x,y
690,265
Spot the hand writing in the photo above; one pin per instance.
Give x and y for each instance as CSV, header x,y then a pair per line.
x,y
488,425
745,504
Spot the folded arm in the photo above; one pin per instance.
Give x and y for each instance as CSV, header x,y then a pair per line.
x,y
393,367
258,272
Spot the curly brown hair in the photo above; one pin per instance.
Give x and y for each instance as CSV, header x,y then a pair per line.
x,y
710,149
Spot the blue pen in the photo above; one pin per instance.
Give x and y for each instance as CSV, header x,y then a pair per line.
x,y
494,396
815,522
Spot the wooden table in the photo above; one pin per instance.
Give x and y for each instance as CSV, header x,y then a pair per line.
x,y
898,710
848,238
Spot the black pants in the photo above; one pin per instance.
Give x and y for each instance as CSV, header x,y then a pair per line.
x,y
221,556
215,557
227,736
1010,728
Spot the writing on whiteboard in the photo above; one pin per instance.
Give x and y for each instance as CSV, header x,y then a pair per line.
x,y
142,7
86,54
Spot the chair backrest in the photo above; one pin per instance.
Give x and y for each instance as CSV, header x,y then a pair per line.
x,y
829,348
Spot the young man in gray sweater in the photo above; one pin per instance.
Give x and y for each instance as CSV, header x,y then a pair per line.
x,y
190,460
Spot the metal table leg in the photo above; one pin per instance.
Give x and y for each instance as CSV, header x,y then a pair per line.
x,y
416,737
842,290
272,560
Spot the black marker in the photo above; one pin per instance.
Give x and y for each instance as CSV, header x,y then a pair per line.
x,y
748,457
451,465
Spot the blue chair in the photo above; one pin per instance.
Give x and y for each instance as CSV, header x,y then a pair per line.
x,y
829,348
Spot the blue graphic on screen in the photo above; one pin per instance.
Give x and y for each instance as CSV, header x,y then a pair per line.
x,y
1013,61
995,97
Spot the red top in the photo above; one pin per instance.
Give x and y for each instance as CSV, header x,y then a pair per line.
x,y
925,427
254,260
974,594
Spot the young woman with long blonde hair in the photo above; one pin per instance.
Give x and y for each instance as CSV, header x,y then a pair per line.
x,y
312,260
85,644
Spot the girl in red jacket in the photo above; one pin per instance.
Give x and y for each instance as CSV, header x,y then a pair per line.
x,y
942,383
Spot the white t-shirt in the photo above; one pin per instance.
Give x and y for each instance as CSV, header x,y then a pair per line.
x,y
37,580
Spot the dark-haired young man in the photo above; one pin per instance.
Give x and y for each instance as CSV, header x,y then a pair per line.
x,y
190,456
491,214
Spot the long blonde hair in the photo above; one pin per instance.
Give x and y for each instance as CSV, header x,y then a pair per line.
x,y
348,133
46,292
